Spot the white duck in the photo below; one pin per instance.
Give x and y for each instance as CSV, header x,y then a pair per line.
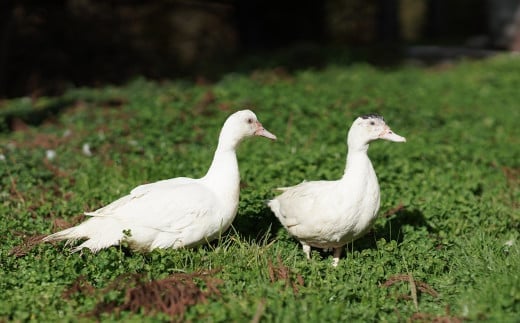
x,y
178,212
330,214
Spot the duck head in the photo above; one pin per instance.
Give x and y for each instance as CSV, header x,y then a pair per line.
x,y
240,125
368,128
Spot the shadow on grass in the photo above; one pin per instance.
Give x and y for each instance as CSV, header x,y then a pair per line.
x,y
261,226
393,228
19,117
282,63
26,114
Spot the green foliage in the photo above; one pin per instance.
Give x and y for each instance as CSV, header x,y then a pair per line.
x,y
456,182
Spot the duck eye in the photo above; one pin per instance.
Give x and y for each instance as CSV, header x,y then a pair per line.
x,y
250,120
372,123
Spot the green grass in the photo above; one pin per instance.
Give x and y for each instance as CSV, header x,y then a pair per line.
x,y
457,180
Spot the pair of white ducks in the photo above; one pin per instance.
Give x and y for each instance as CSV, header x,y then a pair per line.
x,y
185,212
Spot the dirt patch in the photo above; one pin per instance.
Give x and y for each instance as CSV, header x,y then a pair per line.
x,y
32,241
27,245
394,210
281,272
415,286
421,286
431,318
512,175
172,295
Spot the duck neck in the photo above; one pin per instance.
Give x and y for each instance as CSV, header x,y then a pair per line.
x,y
223,174
223,170
358,163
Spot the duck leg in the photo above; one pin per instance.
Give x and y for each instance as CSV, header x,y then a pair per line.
x,y
306,250
337,254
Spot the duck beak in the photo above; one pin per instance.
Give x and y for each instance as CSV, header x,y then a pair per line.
x,y
261,131
388,134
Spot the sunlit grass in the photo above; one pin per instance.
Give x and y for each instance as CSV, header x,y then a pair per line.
x,y
449,218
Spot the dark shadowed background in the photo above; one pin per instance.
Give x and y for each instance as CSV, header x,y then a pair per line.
x,y
49,46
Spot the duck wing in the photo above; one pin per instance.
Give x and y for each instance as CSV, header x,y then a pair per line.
x,y
164,209
299,203
137,193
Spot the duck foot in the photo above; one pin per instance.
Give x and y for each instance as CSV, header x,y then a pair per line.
x,y
307,250
337,254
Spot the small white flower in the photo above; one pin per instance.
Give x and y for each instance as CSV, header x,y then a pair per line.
x,y
86,150
50,154
465,310
2,157
509,243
